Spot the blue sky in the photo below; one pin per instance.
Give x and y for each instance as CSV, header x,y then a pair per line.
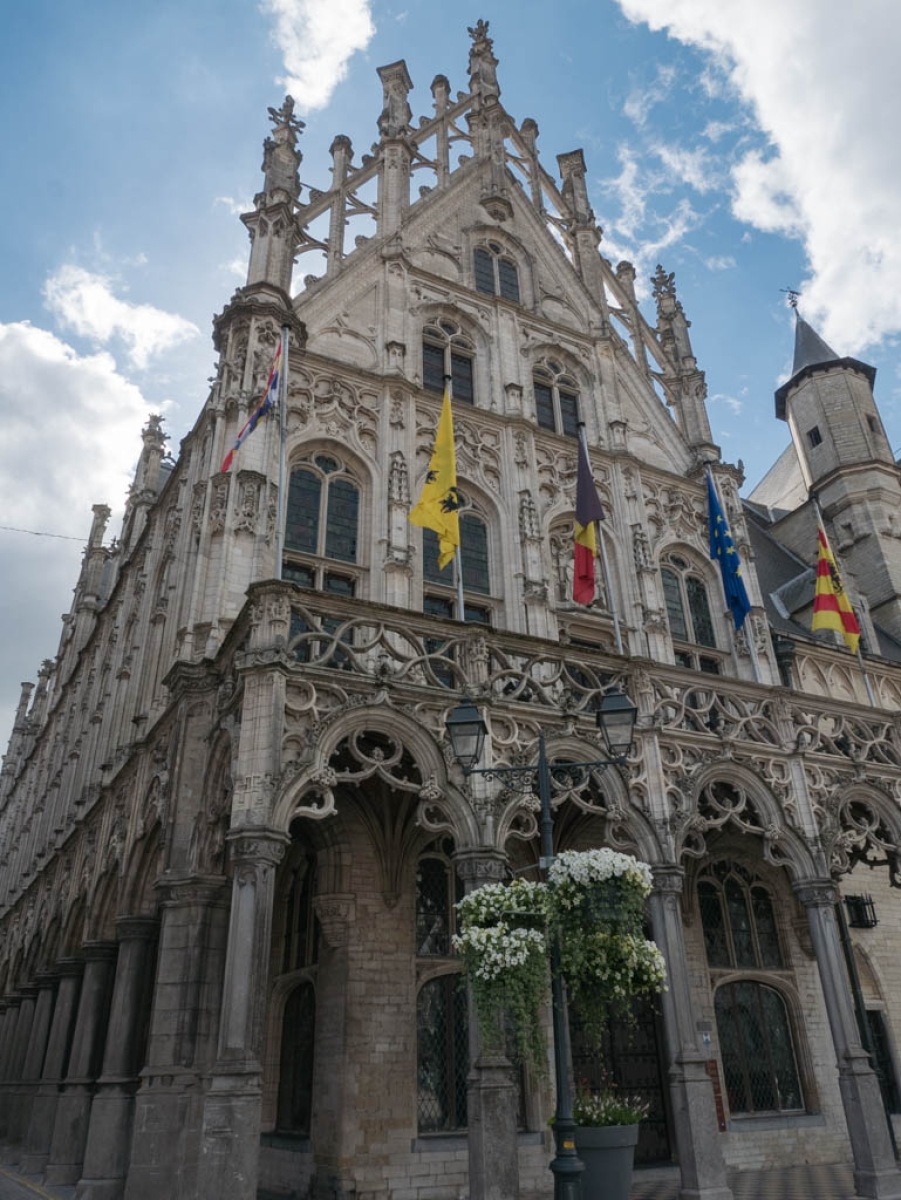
x,y
746,147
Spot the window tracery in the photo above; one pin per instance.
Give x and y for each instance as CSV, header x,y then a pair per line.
x,y
495,273
322,525
688,614
556,398
446,350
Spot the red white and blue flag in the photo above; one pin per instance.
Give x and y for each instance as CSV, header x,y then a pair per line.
x,y
265,406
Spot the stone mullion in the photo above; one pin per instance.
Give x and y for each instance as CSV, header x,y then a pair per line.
x,y
492,1099
694,1112
876,1172
233,1105
39,1132
34,1059
70,1129
109,1133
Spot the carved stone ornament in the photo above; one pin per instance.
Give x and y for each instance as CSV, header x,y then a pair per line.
x,y
336,913
816,893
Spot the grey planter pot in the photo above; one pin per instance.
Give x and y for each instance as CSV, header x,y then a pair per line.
x,y
607,1153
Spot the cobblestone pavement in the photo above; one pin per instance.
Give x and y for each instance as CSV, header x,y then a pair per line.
x,y
831,1182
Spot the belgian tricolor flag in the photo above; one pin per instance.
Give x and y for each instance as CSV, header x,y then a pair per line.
x,y
588,511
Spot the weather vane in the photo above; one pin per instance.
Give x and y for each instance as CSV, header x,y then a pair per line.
x,y
792,297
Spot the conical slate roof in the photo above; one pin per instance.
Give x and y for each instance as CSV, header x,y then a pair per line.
x,y
810,349
811,352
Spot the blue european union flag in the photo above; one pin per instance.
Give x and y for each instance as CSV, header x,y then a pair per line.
x,y
722,550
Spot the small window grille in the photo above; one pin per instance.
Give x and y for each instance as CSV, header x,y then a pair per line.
x,y
861,912
814,436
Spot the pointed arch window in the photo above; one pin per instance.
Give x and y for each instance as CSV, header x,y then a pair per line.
x,y
556,398
438,889
322,525
738,919
442,1054
688,613
759,1061
295,1081
495,272
447,351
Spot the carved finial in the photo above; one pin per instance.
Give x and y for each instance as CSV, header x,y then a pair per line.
x,y
664,285
482,64
396,113
480,33
283,119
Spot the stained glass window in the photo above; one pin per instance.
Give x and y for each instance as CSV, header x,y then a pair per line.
x,y
442,1054
556,399
688,609
494,273
295,1082
738,919
323,521
757,1049
447,351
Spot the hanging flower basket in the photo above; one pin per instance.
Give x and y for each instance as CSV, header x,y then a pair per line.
x,y
596,900
503,944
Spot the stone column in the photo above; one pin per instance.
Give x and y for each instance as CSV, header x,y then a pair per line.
x,y
33,1063
15,1063
876,1172
492,1099
70,1129
230,1145
112,1112
181,1043
7,1053
36,1146
691,1091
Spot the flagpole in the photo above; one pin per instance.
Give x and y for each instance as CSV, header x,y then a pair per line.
x,y
821,524
605,565
458,559
749,635
282,454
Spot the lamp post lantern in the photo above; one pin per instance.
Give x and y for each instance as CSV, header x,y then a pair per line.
x,y
467,731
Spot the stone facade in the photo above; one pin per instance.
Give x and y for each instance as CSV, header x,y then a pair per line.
x,y
231,827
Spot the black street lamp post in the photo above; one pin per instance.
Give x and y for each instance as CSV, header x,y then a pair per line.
x,y
467,730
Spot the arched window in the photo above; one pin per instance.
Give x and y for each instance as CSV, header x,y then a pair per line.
x,y
442,1054
688,613
447,351
474,561
757,1049
495,272
322,525
438,889
556,398
295,1081
300,930
738,919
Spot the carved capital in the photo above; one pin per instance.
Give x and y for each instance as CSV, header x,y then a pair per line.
x,y
336,913
476,867
257,846
816,893
669,879
143,929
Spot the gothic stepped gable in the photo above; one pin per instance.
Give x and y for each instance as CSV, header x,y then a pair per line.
x,y
232,827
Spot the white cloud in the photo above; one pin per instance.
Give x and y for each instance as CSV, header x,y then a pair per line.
x,y
693,167
236,267
642,99
316,39
730,401
234,206
71,424
822,84
719,262
84,302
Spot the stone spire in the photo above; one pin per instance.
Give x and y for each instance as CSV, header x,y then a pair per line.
x,y
689,385
488,124
271,224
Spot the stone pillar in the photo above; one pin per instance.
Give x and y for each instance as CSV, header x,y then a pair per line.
x,y
230,1144
492,1099
70,1129
691,1091
876,1172
33,1064
36,1146
7,1055
112,1112
181,1043
15,1064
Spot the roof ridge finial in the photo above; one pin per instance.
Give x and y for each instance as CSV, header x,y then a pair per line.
x,y
483,65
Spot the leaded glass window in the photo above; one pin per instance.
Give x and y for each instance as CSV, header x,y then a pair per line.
x,y
759,1061
556,398
295,1081
447,351
738,919
323,522
494,272
688,612
438,888
442,1054
473,554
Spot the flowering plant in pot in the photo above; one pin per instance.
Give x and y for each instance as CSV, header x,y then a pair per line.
x,y
606,1134
596,900
503,943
